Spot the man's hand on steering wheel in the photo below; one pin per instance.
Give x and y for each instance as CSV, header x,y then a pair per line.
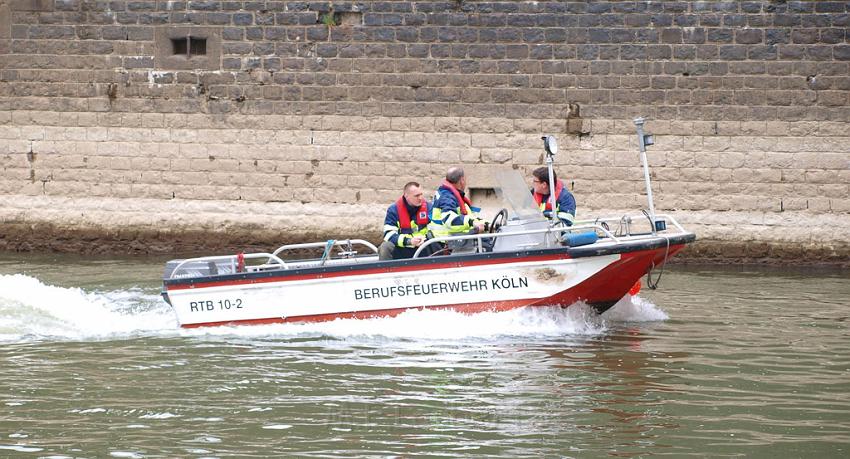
x,y
498,221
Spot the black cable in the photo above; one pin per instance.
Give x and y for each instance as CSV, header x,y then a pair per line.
x,y
653,285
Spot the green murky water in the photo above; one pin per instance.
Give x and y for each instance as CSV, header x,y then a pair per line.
x,y
718,362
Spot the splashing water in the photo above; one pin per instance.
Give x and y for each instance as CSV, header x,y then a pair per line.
x,y
440,325
31,310
635,309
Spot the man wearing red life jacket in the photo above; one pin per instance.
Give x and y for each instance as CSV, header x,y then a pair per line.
x,y
565,203
453,213
406,225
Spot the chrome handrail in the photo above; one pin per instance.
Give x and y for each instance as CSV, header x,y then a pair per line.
x,y
232,259
480,236
313,245
635,216
275,261
672,220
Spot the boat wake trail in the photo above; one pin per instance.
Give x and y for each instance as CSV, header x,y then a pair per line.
x,y
545,321
31,311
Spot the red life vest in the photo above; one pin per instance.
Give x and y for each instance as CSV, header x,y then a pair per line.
x,y
404,219
460,199
538,198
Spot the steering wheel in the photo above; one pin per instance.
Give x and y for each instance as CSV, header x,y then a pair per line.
x,y
499,220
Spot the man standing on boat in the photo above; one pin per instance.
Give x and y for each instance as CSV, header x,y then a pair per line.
x,y
453,213
565,203
406,225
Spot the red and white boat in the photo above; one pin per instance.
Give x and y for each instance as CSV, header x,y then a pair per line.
x,y
524,262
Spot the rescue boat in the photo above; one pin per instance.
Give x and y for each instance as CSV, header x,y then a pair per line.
x,y
524,261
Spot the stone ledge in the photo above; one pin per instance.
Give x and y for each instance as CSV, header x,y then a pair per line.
x,y
112,225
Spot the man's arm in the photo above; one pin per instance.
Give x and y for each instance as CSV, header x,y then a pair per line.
x,y
391,228
566,207
455,222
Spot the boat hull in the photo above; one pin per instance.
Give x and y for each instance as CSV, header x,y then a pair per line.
x,y
468,284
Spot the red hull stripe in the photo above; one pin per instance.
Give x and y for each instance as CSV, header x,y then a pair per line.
x,y
328,275
466,308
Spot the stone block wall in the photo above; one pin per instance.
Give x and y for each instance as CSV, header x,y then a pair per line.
x,y
304,119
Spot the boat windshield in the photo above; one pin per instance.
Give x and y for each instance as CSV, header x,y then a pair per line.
x,y
515,195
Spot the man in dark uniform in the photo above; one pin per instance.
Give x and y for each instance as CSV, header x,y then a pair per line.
x,y
453,212
565,203
406,225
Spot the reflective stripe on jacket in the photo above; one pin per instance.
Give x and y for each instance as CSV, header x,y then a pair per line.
x,y
452,212
565,203
399,227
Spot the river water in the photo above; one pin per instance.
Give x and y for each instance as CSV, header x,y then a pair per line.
x,y
717,362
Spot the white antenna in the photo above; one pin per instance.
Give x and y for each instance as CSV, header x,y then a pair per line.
x,y
643,141
551,145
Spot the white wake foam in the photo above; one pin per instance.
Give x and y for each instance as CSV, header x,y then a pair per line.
x,y
635,309
546,321
32,310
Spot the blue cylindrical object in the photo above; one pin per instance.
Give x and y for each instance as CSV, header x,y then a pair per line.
x,y
577,239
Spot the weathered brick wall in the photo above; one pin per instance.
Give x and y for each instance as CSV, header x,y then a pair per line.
x,y
750,102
